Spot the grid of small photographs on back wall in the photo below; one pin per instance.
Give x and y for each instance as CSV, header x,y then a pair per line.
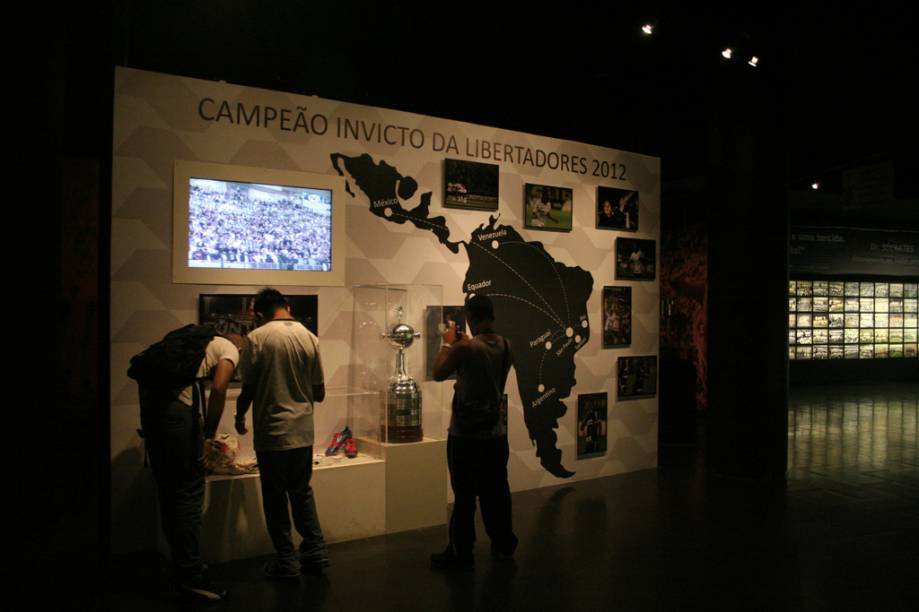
x,y
852,320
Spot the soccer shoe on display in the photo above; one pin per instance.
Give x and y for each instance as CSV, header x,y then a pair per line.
x,y
350,448
337,441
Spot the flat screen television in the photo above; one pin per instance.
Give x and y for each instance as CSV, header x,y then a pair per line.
x,y
238,225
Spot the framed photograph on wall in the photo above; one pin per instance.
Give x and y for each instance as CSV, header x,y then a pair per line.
x,y
547,208
591,425
617,209
234,313
617,317
635,259
637,377
471,185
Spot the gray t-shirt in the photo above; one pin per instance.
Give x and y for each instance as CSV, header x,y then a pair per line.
x,y
282,363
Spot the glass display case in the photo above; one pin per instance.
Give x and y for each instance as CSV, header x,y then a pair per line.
x,y
390,351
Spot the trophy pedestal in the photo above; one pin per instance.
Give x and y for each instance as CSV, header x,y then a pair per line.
x,y
402,434
402,421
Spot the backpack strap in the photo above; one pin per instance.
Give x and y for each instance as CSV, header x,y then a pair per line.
x,y
197,393
504,368
140,432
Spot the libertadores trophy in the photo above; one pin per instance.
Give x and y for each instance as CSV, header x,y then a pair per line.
x,y
402,420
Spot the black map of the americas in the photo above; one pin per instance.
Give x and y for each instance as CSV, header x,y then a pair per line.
x,y
386,190
540,304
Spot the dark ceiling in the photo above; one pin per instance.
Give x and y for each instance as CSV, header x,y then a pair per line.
x,y
841,77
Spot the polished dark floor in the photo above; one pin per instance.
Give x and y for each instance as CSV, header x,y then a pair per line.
x,y
841,534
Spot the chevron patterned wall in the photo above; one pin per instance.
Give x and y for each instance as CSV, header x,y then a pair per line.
x,y
161,118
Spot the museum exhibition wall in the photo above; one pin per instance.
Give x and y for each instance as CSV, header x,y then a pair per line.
x,y
853,303
396,218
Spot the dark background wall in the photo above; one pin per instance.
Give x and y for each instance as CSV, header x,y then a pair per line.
x,y
833,88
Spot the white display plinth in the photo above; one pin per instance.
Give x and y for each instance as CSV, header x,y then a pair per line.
x,y
356,498
350,498
416,484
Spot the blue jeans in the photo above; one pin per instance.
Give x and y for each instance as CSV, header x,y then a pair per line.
x,y
174,442
285,475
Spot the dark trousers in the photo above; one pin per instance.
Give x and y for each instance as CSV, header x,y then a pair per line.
x,y
285,477
174,443
478,468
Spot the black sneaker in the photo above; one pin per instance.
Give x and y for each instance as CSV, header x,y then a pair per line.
x,y
502,555
282,569
202,588
450,562
313,566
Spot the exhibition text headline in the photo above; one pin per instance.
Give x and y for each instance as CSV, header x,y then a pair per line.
x,y
300,120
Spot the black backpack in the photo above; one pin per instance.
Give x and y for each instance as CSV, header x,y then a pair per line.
x,y
172,363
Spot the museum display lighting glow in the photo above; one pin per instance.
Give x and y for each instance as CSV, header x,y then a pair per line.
x,y
815,185
648,29
754,61
727,53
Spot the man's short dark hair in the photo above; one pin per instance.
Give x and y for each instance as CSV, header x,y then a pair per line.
x,y
267,302
480,308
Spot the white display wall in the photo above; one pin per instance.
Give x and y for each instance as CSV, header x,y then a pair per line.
x,y
160,118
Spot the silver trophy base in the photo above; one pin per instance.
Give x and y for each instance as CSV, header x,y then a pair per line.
x,y
402,422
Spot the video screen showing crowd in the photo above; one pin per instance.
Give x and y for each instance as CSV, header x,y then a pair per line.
x,y
258,227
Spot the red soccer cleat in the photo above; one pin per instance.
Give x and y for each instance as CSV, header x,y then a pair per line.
x,y
338,441
350,448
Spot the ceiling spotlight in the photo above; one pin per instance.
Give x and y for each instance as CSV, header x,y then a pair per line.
x,y
754,61
648,29
815,185
727,53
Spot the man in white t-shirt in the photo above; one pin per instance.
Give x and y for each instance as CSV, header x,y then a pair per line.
x,y
282,379
175,438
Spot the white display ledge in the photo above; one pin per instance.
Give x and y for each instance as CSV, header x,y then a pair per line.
x,y
356,498
331,464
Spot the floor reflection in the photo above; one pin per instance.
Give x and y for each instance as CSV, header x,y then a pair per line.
x,y
852,430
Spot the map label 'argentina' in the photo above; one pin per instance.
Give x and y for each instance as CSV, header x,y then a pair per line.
x,y
539,400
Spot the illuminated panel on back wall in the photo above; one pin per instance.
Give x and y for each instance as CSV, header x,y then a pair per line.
x,y
238,225
830,319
